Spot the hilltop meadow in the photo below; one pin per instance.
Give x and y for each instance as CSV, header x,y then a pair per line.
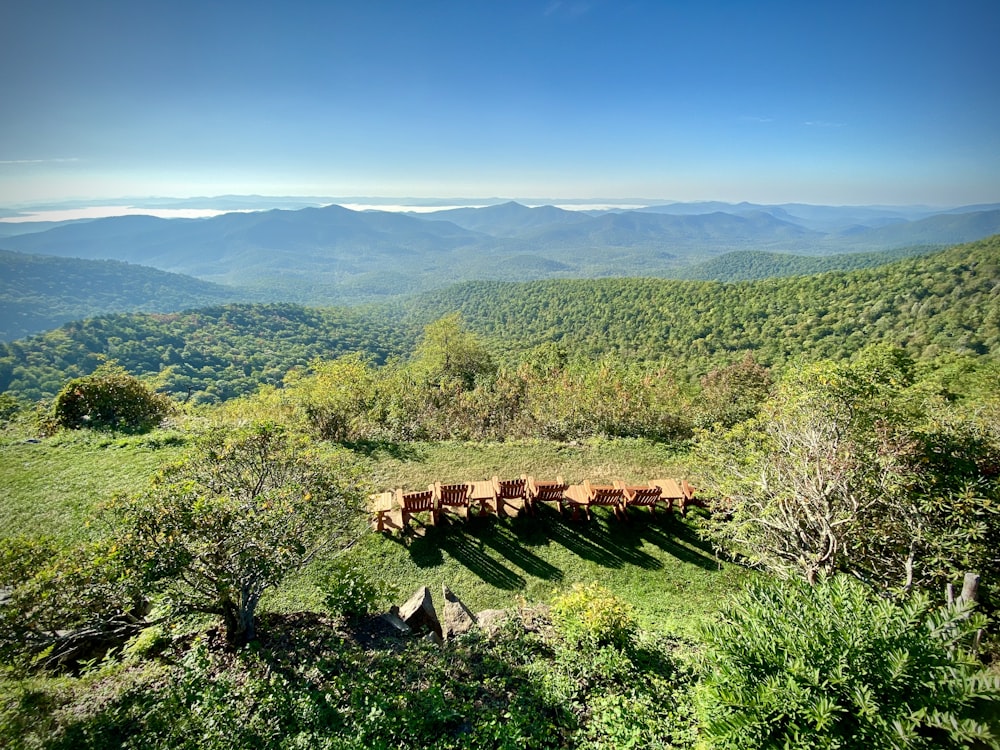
x,y
186,558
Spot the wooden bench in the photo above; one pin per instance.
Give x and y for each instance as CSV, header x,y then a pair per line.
x,y
452,497
546,493
585,495
411,503
641,496
510,493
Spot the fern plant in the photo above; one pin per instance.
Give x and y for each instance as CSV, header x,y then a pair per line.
x,y
832,666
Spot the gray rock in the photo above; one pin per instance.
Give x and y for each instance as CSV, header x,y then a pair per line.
x,y
418,612
492,620
457,618
401,627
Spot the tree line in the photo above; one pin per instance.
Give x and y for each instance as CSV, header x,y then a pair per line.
x,y
934,305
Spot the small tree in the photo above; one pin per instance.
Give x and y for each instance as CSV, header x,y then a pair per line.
x,y
219,529
849,467
814,479
448,352
334,396
109,399
734,393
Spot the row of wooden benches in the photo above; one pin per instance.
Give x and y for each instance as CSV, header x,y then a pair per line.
x,y
502,497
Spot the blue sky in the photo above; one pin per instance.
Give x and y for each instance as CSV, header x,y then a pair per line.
x,y
763,100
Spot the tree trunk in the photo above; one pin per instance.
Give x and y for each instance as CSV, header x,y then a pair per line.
x,y
239,624
970,588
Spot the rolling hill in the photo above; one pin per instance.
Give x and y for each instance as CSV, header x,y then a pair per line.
x,y
333,255
941,303
39,292
750,265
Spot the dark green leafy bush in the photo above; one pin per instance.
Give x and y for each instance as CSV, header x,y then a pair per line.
x,y
63,605
350,591
832,666
243,511
110,399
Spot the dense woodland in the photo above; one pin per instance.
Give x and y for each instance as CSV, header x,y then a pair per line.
x,y
185,559
750,265
944,303
39,292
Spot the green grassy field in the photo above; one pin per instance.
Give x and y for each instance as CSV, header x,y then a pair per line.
x,y
658,565
52,487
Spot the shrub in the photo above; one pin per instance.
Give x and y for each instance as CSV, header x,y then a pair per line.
x,y
593,616
63,605
830,666
109,399
244,510
351,592
9,407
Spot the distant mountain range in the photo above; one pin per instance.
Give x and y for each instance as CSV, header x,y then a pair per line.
x,y
332,255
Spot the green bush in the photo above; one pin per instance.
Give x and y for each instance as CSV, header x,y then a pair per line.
x,y
109,399
9,407
351,592
593,616
831,666
63,605
244,510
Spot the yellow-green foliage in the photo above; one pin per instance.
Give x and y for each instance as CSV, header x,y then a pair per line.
x,y
592,615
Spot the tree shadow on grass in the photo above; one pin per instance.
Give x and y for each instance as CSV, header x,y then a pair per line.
x,y
609,543
398,451
676,538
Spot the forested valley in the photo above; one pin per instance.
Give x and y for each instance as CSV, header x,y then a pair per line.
x,y
938,304
186,556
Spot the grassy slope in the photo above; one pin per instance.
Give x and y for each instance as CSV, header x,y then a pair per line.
x,y
659,565
51,487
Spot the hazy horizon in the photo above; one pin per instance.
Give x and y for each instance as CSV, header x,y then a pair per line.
x,y
854,103
74,210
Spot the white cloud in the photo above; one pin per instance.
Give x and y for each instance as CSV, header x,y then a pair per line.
x,y
37,161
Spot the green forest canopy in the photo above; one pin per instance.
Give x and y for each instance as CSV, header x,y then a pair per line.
x,y
945,302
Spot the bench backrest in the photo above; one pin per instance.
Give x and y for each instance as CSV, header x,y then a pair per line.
x,y
453,494
549,490
604,494
417,501
509,489
642,495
